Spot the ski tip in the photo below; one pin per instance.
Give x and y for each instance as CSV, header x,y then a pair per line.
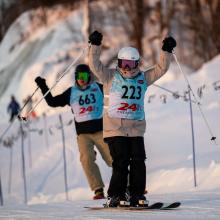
x,y
172,205
156,205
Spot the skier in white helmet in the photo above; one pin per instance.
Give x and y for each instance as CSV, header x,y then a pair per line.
x,y
128,60
124,117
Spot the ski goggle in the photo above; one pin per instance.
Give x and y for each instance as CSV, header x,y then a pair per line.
x,y
130,64
82,76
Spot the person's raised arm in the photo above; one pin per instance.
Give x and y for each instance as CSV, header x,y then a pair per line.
x,y
53,101
165,56
103,73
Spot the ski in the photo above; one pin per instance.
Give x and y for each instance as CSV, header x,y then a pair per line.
x,y
154,206
173,205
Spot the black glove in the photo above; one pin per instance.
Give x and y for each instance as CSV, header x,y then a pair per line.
x,y
168,44
40,81
95,38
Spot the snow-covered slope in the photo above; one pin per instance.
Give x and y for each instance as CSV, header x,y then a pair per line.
x,y
169,163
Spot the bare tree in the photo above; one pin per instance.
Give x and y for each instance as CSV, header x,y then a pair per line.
x,y
2,20
214,7
135,21
87,26
198,29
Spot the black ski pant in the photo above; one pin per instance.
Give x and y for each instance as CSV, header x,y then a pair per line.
x,y
127,152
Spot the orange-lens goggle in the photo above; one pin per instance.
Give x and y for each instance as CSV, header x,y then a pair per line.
x,y
130,64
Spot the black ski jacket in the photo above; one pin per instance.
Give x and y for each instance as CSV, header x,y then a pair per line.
x,y
63,99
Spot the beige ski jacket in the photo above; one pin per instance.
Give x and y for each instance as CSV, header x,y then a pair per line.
x,y
117,126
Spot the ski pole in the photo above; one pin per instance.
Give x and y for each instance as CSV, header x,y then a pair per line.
x,y
18,115
213,138
193,139
61,76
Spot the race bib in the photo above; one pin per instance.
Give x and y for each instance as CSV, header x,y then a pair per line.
x,y
87,104
126,97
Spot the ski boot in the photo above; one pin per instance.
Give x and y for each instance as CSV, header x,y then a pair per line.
x,y
99,194
117,201
139,201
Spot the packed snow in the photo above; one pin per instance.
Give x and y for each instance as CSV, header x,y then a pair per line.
x,y
168,137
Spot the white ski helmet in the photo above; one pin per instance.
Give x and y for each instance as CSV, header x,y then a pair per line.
x,y
128,53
